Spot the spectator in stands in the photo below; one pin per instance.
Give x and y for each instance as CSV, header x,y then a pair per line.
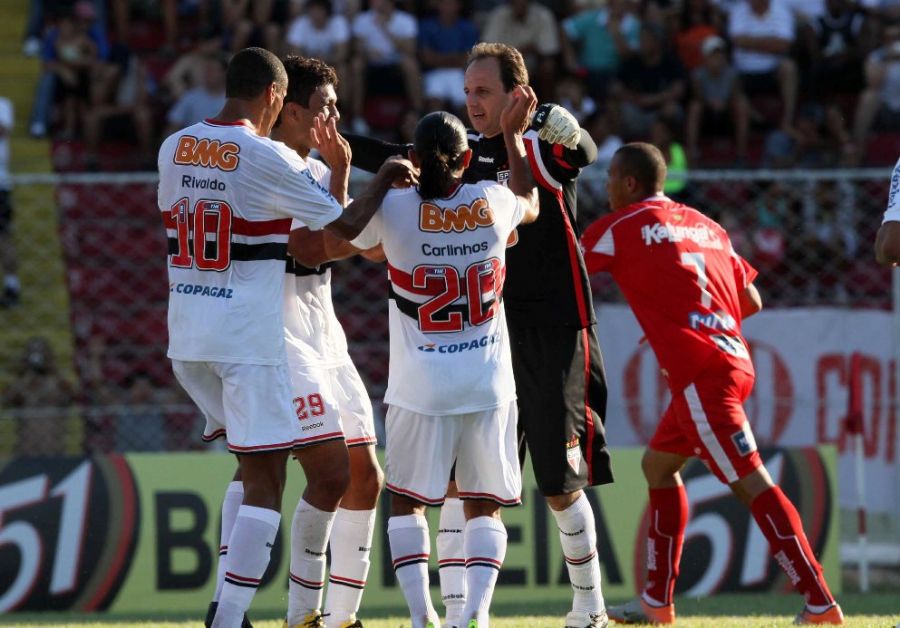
x,y
253,23
762,33
834,47
570,93
124,97
664,136
531,28
385,57
40,399
880,102
648,85
123,11
75,57
140,420
830,243
8,260
201,102
596,40
321,33
38,10
718,103
697,22
188,70
444,43
818,139
592,182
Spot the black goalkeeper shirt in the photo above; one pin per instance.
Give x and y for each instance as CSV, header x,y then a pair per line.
x,y
546,280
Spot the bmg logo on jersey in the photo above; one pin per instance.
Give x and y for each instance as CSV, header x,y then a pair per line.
x,y
192,151
459,347
435,219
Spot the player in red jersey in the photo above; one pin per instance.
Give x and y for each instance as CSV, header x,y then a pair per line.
x,y
690,291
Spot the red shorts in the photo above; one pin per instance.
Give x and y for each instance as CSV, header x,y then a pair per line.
x,y
707,419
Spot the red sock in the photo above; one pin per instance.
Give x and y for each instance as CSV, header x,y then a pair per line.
x,y
665,538
781,525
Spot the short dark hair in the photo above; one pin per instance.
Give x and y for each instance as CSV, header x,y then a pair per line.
x,y
305,75
513,72
251,71
440,143
645,163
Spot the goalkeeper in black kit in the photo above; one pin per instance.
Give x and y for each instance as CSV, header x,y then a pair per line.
x,y
558,368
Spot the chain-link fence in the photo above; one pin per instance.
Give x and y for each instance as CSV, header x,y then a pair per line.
x,y
83,363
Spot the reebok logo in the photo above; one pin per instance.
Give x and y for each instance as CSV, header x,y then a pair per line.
x,y
485,160
576,533
312,553
206,153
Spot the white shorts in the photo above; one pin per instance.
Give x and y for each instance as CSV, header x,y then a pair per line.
x,y
248,404
446,84
421,450
332,404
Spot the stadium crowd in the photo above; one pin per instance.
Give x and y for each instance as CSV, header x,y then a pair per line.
x,y
736,83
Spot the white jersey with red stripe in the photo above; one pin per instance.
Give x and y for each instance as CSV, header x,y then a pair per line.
x,y
227,197
446,265
312,330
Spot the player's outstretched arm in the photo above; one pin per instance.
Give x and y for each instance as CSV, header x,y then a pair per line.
x,y
369,153
313,248
394,172
750,302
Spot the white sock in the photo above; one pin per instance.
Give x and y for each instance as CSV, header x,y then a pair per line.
x,y
234,495
351,544
485,547
410,549
249,548
578,537
309,537
452,559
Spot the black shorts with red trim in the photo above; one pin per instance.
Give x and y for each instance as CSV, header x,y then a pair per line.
x,y
561,387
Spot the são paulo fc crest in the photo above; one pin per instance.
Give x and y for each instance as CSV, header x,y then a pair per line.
x,y
573,453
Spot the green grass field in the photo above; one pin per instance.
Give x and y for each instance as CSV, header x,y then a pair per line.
x,y
881,610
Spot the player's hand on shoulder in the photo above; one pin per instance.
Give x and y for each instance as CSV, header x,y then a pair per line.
x,y
400,171
335,150
516,116
556,125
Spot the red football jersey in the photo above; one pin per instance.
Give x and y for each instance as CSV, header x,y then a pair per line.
x,y
681,277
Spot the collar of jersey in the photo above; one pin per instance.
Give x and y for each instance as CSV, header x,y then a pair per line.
x,y
241,122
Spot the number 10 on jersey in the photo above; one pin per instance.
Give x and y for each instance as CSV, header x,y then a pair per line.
x,y
195,249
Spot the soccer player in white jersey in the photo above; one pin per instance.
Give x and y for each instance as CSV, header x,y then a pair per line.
x,y
227,194
451,393
337,447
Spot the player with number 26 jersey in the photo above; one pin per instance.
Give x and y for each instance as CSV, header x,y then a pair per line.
x,y
446,264
681,276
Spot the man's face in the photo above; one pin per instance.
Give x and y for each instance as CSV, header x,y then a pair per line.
x,y
322,101
617,186
485,96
